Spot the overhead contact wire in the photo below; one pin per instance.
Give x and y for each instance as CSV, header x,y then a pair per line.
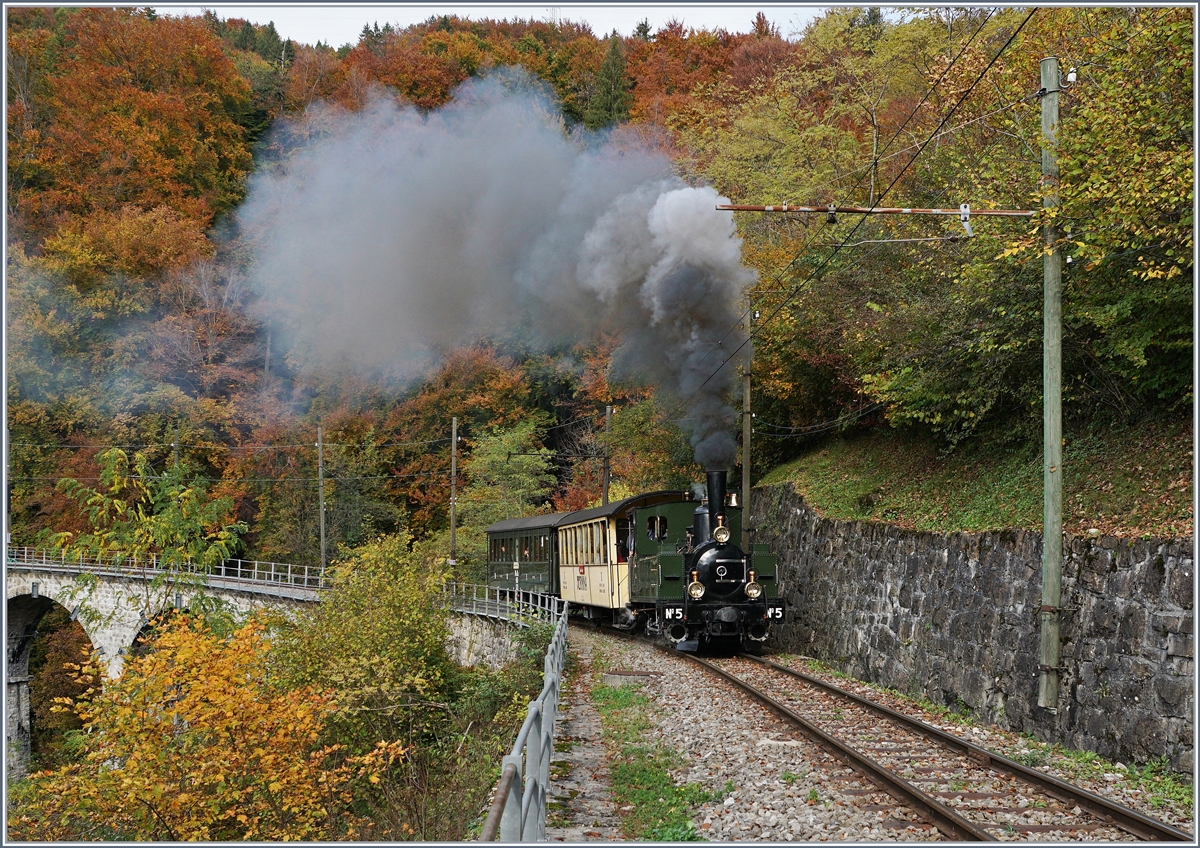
x,y
891,185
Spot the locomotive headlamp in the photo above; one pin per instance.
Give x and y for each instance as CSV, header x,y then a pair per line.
x,y
721,534
695,590
753,589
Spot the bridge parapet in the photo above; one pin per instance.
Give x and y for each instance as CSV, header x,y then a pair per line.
x,y
244,572
520,609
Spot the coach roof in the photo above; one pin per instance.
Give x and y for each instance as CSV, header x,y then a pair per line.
x,y
621,506
530,523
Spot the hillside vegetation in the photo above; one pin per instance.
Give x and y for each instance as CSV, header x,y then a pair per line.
x,y
1133,482
131,323
155,402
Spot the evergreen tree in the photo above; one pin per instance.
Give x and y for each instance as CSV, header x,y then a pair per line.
x,y
268,44
642,30
245,39
611,99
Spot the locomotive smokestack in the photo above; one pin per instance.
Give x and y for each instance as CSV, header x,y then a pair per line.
x,y
716,494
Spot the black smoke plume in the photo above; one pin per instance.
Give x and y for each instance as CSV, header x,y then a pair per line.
x,y
388,234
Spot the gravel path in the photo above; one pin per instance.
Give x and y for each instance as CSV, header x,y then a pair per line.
x,y
579,805
783,788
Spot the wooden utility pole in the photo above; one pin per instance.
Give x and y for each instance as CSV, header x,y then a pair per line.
x,y
453,489
607,455
321,493
1052,473
746,445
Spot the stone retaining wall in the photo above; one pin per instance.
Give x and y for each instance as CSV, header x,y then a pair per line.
x,y
955,618
474,639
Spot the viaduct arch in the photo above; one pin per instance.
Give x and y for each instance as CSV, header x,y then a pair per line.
x,y
114,602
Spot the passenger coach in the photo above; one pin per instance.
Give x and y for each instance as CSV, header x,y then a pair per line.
x,y
656,561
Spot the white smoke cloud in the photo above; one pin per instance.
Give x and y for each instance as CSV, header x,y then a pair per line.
x,y
389,235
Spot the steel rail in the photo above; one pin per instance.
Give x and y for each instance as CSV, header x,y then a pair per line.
x,y
491,827
1138,824
948,822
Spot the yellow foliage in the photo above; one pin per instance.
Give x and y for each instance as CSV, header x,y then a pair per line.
x,y
193,742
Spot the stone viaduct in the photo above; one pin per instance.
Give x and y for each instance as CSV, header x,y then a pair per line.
x,y
115,599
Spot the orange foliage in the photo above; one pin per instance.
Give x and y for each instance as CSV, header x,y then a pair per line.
x,y
130,240
668,70
484,390
136,111
399,63
314,75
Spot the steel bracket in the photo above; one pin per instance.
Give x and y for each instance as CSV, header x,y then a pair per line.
x,y
964,215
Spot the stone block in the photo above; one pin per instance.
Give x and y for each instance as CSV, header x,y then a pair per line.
x,y
1105,618
1180,645
1180,584
1083,695
1153,574
1131,630
1162,622
1174,696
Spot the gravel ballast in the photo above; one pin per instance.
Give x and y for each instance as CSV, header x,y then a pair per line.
x,y
771,784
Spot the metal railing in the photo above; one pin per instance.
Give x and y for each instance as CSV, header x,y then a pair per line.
x,y
520,608
254,571
518,811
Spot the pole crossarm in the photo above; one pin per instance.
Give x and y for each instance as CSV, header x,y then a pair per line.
x,y
875,210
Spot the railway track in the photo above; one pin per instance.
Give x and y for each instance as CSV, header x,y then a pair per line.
x,y
965,791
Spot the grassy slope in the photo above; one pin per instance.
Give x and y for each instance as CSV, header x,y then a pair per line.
x,y
1130,482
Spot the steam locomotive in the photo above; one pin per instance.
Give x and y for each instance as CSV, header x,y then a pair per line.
x,y
655,562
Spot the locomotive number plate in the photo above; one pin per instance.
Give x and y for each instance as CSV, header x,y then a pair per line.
x,y
775,611
673,613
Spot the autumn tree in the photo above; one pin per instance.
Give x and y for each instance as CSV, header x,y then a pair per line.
x,y
478,385
194,742
1127,159
379,642
206,342
137,512
57,647
509,475
135,111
